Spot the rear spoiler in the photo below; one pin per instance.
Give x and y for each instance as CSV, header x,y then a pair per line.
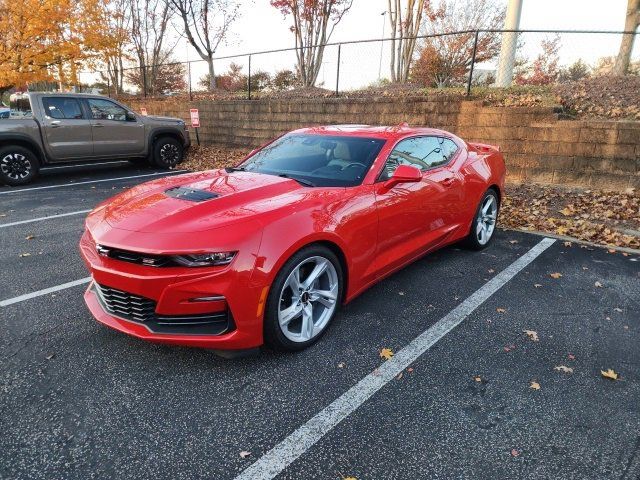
x,y
483,148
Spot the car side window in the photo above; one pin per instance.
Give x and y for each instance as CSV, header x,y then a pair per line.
x,y
423,153
62,108
106,110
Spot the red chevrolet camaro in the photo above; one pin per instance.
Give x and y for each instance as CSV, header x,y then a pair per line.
x,y
267,250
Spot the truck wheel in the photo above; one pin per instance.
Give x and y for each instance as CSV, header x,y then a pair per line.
x,y
18,165
167,152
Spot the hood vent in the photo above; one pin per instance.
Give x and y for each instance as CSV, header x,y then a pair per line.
x,y
190,194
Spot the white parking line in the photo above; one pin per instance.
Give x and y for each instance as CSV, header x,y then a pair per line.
x,y
27,296
46,169
39,219
287,451
92,181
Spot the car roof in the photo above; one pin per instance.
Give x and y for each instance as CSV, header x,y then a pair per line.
x,y
372,131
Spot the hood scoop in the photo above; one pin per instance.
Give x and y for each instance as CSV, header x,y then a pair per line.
x,y
190,194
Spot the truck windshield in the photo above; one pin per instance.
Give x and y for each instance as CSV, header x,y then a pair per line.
x,y
319,160
20,105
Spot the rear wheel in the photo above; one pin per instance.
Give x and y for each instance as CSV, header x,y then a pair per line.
x,y
484,223
167,152
18,165
303,299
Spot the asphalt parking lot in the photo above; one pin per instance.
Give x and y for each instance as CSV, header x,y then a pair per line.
x,y
78,400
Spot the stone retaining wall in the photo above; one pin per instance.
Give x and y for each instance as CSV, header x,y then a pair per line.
x,y
538,147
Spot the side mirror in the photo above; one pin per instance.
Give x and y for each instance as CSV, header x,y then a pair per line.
x,y
131,117
404,174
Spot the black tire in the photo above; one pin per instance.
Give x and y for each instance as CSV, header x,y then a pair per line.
x,y
473,240
18,165
273,335
167,152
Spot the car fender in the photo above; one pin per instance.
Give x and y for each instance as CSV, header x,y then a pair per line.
x,y
21,138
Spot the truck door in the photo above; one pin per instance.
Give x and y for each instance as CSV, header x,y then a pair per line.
x,y
115,130
66,129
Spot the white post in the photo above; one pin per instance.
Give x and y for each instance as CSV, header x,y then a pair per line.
x,y
504,75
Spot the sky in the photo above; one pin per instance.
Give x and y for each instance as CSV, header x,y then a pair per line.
x,y
262,27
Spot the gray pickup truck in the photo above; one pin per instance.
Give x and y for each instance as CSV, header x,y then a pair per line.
x,y
53,128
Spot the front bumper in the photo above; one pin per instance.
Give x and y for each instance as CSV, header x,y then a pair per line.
x,y
166,295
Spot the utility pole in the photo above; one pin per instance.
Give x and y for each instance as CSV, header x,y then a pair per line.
x,y
504,75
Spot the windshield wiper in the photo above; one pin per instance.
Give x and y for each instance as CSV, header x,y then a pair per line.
x,y
235,169
301,181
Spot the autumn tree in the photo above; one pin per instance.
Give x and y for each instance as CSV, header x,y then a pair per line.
x,y
444,60
405,23
544,69
632,21
149,22
206,24
169,77
312,27
113,54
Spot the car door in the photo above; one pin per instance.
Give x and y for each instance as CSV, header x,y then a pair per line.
x,y
414,217
66,128
116,131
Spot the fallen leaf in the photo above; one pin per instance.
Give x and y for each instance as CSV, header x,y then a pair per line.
x,y
598,285
399,376
612,250
555,275
24,255
563,368
341,365
49,357
568,244
244,454
513,241
409,369
609,373
500,310
535,385
514,452
386,353
537,285
571,356
478,378
400,293
491,270
29,237
619,310
532,334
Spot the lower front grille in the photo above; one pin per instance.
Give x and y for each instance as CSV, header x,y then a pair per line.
x,y
136,308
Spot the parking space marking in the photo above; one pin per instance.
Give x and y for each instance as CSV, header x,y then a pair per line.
x,y
27,296
46,169
297,443
91,181
39,219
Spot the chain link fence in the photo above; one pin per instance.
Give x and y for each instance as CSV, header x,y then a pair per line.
x,y
457,62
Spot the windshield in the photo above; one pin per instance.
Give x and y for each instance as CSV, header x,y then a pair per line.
x,y
318,160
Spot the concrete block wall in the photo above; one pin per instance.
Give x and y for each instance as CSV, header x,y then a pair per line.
x,y
538,147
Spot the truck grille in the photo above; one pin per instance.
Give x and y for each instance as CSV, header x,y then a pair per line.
x,y
126,305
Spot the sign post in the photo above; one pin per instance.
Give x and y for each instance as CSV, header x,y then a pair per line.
x,y
195,121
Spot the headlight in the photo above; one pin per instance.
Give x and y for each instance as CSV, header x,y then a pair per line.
x,y
205,259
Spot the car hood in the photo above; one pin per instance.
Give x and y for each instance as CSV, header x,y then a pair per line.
x,y
199,201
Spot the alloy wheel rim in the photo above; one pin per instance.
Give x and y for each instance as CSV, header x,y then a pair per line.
x,y
308,299
486,221
15,166
169,154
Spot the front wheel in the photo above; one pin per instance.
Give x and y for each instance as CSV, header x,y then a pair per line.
x,y
18,165
484,223
167,152
303,299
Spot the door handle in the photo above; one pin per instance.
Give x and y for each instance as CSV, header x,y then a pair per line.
x,y
447,182
98,125
55,124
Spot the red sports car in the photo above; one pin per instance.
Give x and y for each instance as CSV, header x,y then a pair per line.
x,y
267,250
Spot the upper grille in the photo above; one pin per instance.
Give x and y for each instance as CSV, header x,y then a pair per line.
x,y
135,257
126,305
